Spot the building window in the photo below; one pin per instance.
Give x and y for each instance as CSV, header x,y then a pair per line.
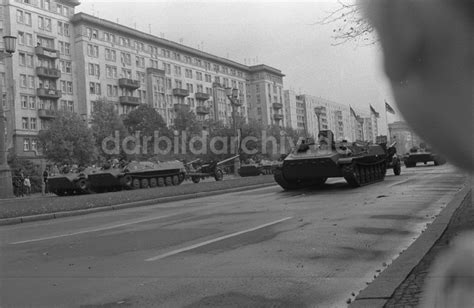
x,y
110,55
177,70
189,86
26,144
24,123
94,88
126,58
66,66
32,102
23,83
69,87
24,101
33,123
111,71
94,69
92,50
140,61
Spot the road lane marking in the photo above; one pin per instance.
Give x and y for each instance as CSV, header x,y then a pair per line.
x,y
95,230
177,251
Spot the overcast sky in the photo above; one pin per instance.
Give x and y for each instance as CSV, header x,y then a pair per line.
x,y
281,34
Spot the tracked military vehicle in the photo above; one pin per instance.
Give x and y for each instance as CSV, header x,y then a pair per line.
x,y
74,182
136,175
312,163
422,155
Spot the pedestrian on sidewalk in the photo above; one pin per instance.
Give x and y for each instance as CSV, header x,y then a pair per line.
x,y
27,185
45,181
429,60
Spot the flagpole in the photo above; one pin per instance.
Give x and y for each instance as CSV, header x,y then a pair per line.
x,y
386,121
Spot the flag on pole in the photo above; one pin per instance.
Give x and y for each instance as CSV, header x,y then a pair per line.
x,y
353,113
376,114
389,108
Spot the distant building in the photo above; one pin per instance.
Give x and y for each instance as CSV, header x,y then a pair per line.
x,y
404,136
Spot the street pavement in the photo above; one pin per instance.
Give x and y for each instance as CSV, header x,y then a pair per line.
x,y
258,248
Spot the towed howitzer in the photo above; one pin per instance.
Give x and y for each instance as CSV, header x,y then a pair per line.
x,y
209,169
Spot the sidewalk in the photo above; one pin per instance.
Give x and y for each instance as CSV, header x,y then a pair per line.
x,y
393,288
409,293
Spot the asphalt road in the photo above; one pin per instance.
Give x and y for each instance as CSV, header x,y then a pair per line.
x,y
258,248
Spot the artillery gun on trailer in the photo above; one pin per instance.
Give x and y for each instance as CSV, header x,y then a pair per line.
x,y
208,169
311,163
263,167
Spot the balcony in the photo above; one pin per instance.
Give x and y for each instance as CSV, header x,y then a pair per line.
x,y
183,107
129,83
180,92
47,114
48,72
155,71
46,52
202,110
48,93
129,100
201,96
277,106
278,116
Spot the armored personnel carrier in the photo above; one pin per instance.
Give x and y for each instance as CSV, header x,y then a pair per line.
x,y
422,155
74,182
312,163
135,175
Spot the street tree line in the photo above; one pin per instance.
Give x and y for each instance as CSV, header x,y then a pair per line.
x,y
71,140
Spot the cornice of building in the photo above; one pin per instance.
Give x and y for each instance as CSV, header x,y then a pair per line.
x,y
89,19
69,2
263,67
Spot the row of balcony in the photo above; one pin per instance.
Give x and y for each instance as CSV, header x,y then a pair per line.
x,y
278,116
47,72
49,114
277,106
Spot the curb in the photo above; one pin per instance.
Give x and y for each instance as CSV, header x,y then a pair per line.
x,y
382,288
48,216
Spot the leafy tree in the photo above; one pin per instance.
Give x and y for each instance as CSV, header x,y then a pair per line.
x,y
186,120
68,140
104,123
146,120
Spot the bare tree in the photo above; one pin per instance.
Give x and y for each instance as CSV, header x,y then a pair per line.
x,y
350,24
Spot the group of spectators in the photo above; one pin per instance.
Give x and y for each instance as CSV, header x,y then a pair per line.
x,y
21,184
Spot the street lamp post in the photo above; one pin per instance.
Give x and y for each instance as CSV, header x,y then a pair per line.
x,y
6,189
318,111
233,95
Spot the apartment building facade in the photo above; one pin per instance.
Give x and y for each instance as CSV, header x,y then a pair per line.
x,y
266,95
38,79
69,61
